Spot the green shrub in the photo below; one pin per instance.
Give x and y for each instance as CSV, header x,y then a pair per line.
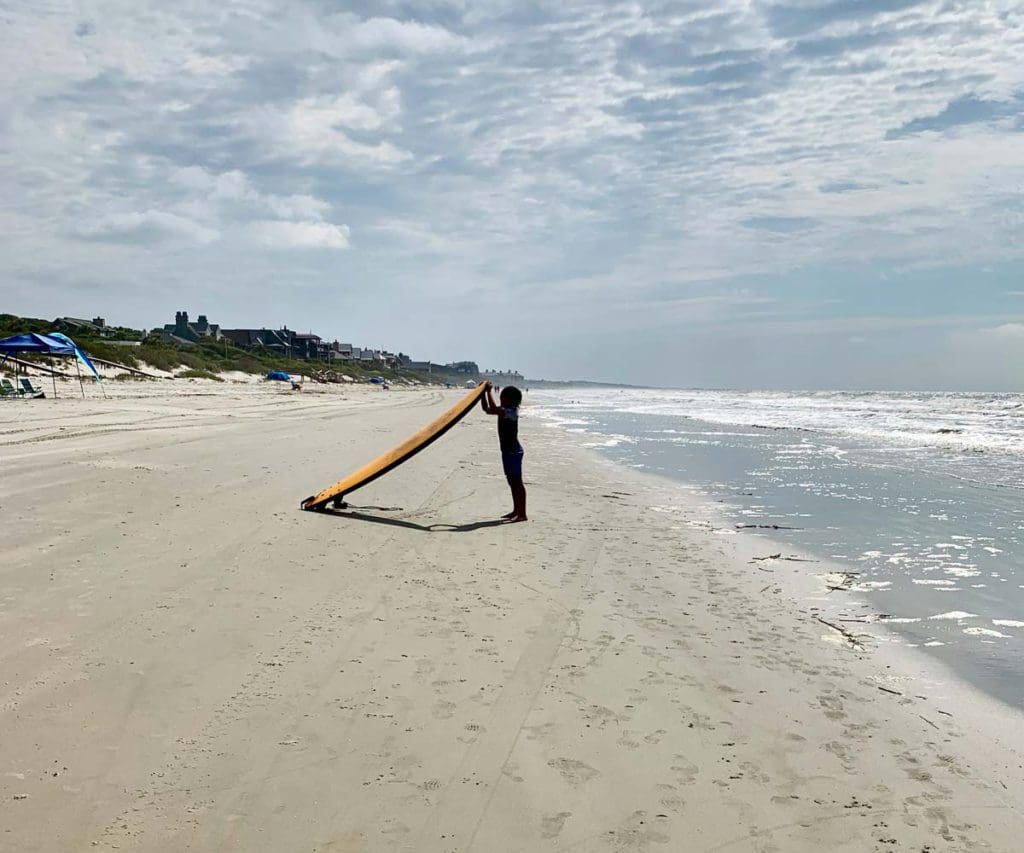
x,y
160,357
99,349
199,374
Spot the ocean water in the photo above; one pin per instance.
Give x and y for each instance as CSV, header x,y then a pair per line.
x,y
919,496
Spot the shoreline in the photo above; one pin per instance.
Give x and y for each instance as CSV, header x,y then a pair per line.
x,y
933,579
193,663
809,591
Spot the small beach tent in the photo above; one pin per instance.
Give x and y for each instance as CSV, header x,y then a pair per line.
x,y
279,376
50,345
377,380
79,355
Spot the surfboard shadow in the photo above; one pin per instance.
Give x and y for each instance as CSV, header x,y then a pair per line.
x,y
412,525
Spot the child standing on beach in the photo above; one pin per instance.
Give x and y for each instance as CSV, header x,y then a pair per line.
x,y
508,439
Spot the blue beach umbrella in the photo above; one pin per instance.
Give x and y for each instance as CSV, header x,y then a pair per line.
x,y
53,344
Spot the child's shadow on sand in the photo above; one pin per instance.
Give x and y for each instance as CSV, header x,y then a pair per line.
x,y
412,525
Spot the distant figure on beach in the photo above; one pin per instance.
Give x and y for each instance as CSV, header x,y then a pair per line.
x,y
508,439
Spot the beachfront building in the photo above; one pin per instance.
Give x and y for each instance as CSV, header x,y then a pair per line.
x,y
188,332
269,340
97,327
407,362
503,377
463,368
307,346
283,342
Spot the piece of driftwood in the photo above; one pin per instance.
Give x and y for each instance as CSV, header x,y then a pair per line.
x,y
780,557
848,578
850,638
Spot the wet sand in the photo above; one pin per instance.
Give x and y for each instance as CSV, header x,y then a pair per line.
x,y
191,663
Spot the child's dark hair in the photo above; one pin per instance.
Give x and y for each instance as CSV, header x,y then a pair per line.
x,y
511,396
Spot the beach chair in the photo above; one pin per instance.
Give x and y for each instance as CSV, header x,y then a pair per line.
x,y
30,390
8,390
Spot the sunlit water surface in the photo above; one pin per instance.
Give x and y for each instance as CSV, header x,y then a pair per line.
x,y
920,495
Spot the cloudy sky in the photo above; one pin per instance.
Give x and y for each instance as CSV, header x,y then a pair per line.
x,y
749,193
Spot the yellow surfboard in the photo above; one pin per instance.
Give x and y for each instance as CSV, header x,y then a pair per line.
x,y
393,458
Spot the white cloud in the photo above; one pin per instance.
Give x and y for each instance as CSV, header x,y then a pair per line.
x,y
1006,332
277,234
612,153
377,34
150,226
318,129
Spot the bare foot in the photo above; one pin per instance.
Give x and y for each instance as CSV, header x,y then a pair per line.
x,y
513,519
510,514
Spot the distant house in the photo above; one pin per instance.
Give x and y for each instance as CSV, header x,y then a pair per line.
x,y
309,347
503,377
407,362
287,343
284,342
277,342
74,326
195,332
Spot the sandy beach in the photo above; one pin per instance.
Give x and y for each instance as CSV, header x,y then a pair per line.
x,y
191,663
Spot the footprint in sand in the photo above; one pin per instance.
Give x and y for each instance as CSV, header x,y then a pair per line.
x,y
686,772
574,772
626,740
551,825
640,830
833,706
443,710
670,799
844,755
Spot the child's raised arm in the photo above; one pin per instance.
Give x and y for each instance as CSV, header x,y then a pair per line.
x,y
487,402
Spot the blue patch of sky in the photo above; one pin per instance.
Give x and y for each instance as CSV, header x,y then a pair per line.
x,y
872,290
970,109
781,224
789,20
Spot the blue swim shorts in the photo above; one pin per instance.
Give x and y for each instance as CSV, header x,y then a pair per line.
x,y
512,463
